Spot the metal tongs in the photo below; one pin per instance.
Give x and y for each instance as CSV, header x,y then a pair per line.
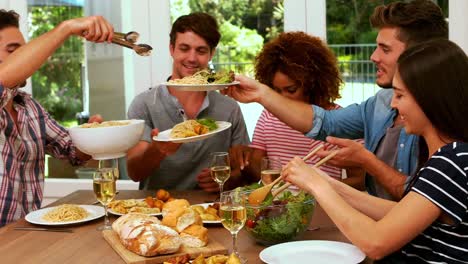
x,y
129,39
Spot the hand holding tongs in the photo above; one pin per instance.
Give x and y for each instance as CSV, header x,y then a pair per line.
x,y
128,40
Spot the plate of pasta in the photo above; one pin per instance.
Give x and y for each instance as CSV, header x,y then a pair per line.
x,y
187,131
200,87
204,80
65,214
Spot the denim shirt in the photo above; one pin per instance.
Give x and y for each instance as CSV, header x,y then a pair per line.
x,y
368,120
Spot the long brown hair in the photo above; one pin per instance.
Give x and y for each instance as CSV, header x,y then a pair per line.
x,y
304,59
435,73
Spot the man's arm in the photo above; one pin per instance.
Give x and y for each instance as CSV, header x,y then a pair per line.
x,y
353,154
144,158
297,115
22,63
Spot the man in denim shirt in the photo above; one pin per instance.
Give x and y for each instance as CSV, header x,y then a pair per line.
x,y
389,154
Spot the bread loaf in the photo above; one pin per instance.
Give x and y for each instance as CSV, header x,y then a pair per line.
x,y
151,239
194,236
131,220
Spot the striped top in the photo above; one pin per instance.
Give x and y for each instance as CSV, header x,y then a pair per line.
x,y
23,148
280,140
443,181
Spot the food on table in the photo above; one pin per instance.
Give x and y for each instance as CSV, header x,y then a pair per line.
x,y
194,236
206,77
131,220
133,205
175,205
150,205
65,213
215,259
105,124
209,213
181,218
163,195
146,237
280,220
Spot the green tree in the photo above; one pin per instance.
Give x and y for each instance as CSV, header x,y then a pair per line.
x,y
57,84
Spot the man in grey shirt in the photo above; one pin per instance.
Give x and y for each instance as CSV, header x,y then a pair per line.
x,y
193,40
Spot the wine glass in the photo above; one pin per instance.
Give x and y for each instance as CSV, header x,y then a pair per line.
x,y
104,189
220,168
233,214
270,169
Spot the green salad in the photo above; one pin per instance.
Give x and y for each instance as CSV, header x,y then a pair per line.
x,y
210,123
280,220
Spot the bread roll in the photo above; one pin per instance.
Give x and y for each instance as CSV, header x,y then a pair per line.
x,y
151,239
194,236
170,218
174,205
189,217
131,220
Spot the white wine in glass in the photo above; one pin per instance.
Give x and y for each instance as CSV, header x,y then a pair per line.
x,y
220,168
270,169
233,214
104,188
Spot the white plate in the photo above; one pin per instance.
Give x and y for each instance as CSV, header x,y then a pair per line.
x,y
200,87
312,251
165,135
205,205
120,214
35,217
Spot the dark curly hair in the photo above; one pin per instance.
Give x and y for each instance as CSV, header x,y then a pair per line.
x,y
418,20
199,23
304,59
8,19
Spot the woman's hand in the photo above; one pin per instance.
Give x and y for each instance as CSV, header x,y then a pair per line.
x,y
302,175
350,155
249,90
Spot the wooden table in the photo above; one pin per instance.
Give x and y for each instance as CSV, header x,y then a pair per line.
x,y
87,245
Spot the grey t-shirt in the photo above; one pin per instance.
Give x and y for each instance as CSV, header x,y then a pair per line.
x,y
387,152
161,110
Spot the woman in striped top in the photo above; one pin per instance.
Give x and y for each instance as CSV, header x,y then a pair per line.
x,y
303,68
430,223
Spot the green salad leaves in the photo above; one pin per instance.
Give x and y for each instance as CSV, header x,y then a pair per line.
x,y
280,220
210,123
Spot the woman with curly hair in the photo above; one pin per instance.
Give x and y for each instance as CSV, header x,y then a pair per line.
x,y
303,68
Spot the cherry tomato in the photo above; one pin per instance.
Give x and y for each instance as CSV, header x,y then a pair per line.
x,y
250,223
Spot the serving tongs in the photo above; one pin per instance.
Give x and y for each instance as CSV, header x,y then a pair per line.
x,y
257,196
316,165
129,40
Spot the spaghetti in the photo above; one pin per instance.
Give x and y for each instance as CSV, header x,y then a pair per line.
x,y
105,124
188,128
204,77
65,213
197,78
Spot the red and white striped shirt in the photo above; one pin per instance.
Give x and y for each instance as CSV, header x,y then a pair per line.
x,y
280,140
23,147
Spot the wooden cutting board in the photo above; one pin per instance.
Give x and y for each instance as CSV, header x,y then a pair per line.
x,y
212,248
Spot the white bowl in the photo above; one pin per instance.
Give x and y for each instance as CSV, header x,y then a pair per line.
x,y
107,142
